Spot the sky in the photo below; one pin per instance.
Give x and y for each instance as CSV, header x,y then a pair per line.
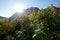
x,y
9,7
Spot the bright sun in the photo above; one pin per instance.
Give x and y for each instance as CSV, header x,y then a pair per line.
x,y
18,8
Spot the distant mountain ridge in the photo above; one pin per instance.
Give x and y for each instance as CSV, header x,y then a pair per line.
x,y
2,17
25,13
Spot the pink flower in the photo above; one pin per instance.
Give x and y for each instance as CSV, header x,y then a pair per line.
x,y
38,25
55,32
27,36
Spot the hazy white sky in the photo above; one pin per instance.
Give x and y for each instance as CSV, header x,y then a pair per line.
x,y
8,7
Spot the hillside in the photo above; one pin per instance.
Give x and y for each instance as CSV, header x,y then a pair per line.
x,y
25,13
2,17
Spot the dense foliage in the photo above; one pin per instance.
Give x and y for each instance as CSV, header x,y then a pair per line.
x,y
41,25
